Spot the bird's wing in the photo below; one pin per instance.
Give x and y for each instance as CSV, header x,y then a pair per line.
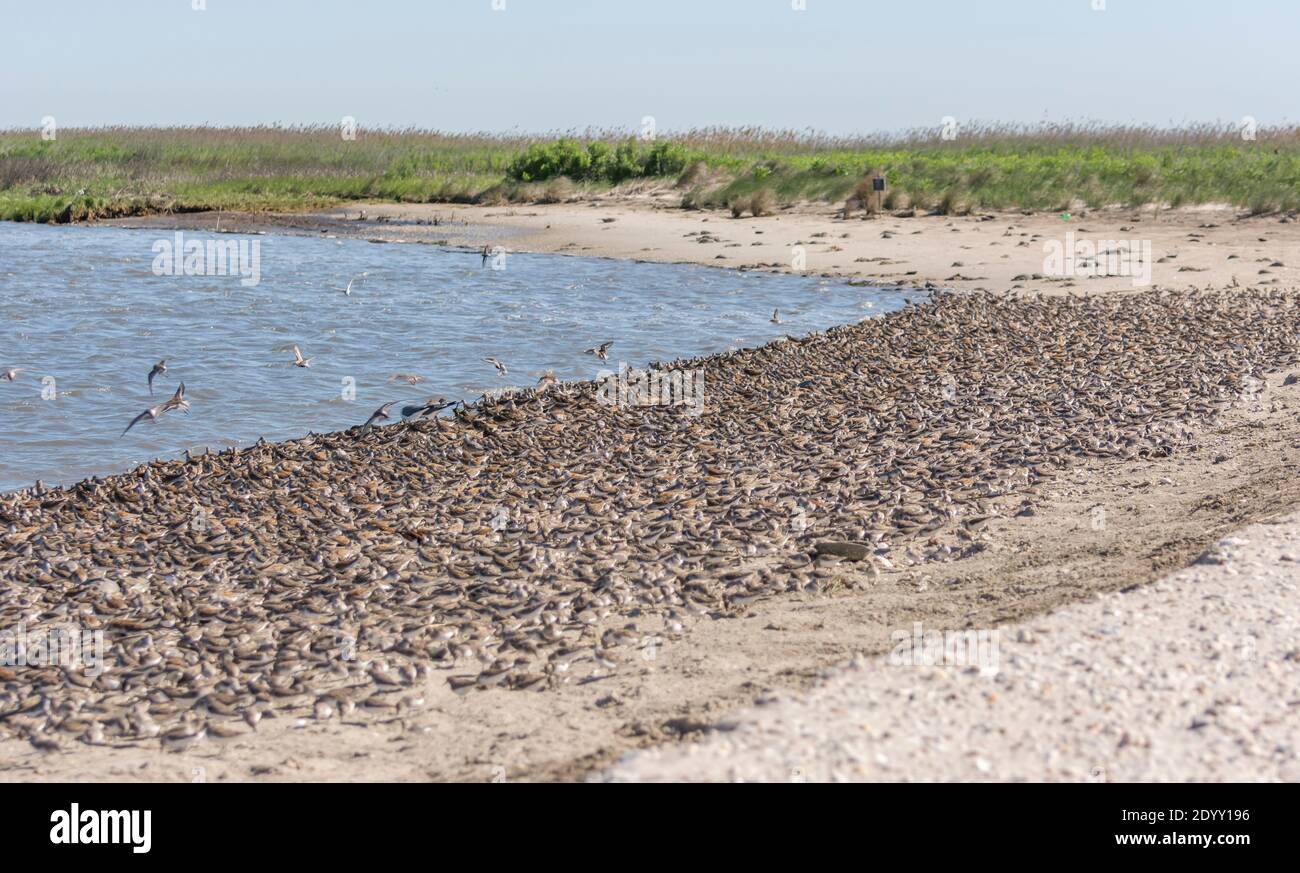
x,y
151,412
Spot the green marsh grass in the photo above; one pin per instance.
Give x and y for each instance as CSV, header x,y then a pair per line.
x,y
114,171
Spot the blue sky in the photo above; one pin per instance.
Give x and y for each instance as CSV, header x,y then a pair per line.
x,y
843,66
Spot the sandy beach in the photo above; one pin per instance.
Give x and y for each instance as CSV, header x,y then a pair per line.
x,y
1149,684
1189,461
1203,247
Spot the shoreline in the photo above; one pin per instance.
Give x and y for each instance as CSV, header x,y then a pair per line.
x,y
1203,247
594,676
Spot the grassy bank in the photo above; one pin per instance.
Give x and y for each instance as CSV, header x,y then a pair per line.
x,y
107,172
124,171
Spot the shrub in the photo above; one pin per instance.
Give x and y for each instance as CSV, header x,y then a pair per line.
x,y
864,195
624,165
496,195
665,158
693,174
556,191
542,161
762,202
599,153
597,161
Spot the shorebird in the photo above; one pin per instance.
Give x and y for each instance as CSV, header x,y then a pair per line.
x,y
428,407
501,368
380,414
158,369
177,401
298,359
464,413
776,316
11,374
183,736
546,380
348,290
601,351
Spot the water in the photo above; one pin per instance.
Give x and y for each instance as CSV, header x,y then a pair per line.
x,y
83,313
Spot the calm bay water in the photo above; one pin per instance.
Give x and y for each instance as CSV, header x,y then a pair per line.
x,y
84,315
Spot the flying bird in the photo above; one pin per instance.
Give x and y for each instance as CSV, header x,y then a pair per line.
x,y
177,401
380,414
158,369
546,380
409,378
11,374
501,368
776,316
348,290
298,359
429,407
601,351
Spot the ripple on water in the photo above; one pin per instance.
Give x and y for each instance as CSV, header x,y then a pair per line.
x,y
83,306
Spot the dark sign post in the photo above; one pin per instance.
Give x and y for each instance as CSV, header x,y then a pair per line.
x,y
878,189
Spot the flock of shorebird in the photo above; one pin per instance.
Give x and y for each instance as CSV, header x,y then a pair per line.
x,y
430,406
544,544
